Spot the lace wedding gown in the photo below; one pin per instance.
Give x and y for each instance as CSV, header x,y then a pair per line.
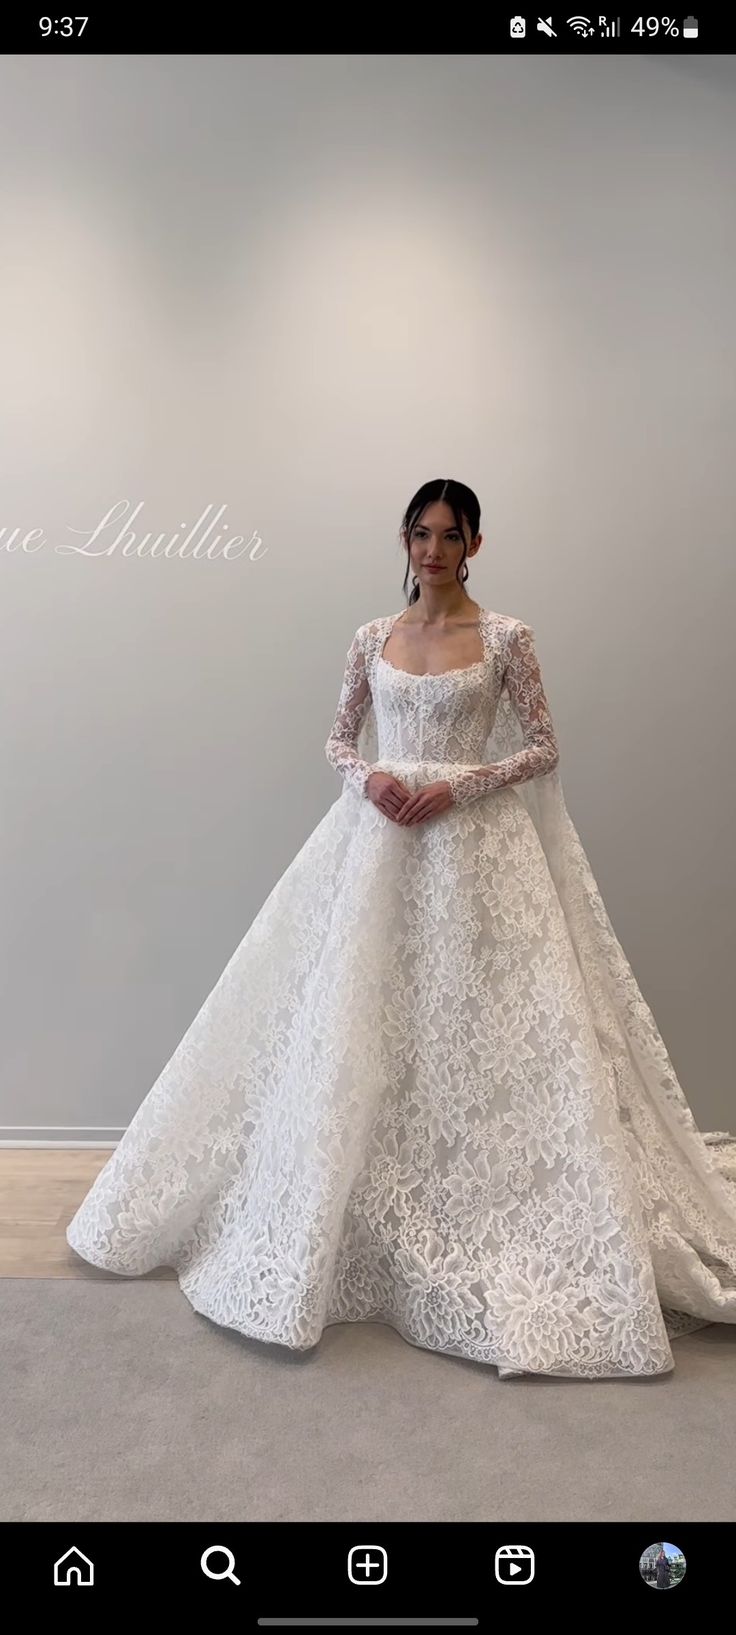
x,y
426,1089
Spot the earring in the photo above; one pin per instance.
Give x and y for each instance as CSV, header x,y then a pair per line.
x,y
415,578
466,571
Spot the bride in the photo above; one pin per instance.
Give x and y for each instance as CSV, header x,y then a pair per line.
x,y
426,1089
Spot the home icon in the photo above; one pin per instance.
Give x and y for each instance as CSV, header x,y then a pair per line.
x,y
73,1568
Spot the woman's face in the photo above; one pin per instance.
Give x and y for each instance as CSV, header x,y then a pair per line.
x,y
436,544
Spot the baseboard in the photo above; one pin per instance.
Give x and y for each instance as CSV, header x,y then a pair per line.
x,y
60,1135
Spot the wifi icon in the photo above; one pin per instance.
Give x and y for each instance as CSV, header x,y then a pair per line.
x,y
581,25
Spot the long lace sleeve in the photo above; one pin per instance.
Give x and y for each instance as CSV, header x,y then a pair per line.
x,y
352,708
522,677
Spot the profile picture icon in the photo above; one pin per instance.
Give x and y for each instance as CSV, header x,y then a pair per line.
x,y
662,1566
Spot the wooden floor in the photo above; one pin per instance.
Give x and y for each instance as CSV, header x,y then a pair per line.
x,y
40,1189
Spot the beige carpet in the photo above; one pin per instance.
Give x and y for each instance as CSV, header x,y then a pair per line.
x,y
122,1403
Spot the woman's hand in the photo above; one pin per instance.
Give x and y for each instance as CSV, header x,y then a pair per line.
x,y
389,794
426,803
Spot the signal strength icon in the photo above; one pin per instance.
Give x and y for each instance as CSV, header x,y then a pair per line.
x,y
581,25
610,30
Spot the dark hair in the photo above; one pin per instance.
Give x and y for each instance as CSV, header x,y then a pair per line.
x,y
465,508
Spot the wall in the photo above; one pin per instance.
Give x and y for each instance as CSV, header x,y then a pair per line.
x,y
297,288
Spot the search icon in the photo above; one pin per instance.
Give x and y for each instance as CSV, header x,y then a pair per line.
x,y
219,1550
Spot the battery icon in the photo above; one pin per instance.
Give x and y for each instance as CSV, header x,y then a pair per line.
x,y
690,28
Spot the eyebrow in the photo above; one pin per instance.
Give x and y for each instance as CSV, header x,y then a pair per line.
x,y
451,530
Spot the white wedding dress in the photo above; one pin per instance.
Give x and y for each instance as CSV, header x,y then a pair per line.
x,y
426,1089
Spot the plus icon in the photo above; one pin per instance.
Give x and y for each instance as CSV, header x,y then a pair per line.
x,y
367,1564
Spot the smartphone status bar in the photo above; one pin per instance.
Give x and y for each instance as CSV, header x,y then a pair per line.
x,y
114,30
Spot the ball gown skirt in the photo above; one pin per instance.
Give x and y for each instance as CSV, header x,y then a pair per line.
x,y
426,1090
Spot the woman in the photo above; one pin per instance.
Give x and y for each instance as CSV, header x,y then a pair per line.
x,y
663,1571
426,1089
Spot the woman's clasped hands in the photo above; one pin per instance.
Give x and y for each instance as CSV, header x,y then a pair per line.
x,y
403,805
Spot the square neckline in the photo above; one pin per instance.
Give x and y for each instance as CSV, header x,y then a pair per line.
x,y
434,675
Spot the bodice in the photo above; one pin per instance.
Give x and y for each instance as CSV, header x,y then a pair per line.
x,y
432,728
436,718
